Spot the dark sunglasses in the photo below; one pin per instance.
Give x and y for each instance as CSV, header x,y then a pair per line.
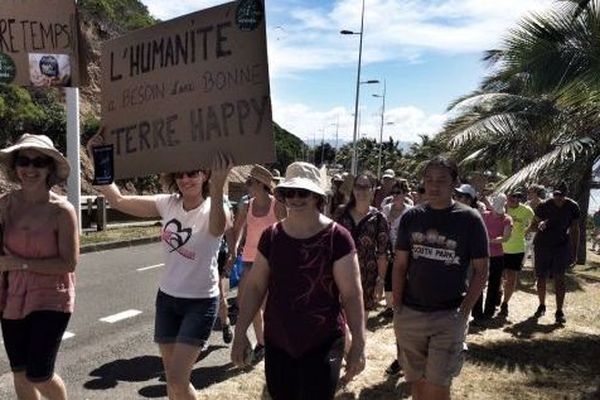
x,y
397,193
250,181
189,174
37,162
291,193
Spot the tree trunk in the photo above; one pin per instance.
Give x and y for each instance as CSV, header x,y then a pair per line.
x,y
582,197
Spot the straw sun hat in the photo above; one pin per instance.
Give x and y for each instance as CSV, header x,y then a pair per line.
x,y
262,175
303,175
44,145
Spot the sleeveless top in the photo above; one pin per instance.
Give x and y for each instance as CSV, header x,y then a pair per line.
x,y
22,292
255,226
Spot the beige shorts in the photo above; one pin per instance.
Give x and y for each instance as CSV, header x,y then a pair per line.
x,y
432,344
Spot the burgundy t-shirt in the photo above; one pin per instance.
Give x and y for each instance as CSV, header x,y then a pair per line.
x,y
303,306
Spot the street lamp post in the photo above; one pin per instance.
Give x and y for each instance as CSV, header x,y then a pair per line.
x,y
381,129
353,168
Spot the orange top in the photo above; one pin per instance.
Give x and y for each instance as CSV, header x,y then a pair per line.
x,y
255,227
22,292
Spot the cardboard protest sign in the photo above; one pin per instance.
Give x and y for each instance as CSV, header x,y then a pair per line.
x,y
39,43
176,93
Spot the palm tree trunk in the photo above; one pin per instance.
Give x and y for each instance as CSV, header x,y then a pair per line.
x,y
582,197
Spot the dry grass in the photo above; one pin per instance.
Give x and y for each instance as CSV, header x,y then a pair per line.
x,y
514,359
119,234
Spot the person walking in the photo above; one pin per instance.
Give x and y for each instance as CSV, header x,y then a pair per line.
x,y
556,242
433,297
261,211
308,265
499,227
40,250
370,231
514,247
194,218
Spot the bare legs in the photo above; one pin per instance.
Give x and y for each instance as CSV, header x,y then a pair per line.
x,y
178,361
52,389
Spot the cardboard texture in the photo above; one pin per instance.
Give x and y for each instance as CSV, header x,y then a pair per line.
x,y
176,93
39,43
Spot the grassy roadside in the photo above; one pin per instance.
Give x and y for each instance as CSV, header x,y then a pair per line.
x,y
517,358
119,234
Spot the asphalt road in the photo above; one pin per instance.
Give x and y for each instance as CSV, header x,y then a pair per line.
x,y
108,352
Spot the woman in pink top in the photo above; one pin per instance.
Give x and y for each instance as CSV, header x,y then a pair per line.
x,y
499,228
262,211
40,252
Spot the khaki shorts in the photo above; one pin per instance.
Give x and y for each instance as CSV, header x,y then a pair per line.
x,y
432,344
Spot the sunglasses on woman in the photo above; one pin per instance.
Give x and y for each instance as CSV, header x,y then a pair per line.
x,y
37,162
290,193
363,187
190,174
397,193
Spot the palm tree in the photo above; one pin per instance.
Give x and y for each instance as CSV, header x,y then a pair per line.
x,y
540,108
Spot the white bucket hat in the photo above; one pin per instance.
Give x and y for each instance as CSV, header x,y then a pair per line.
x,y
303,175
498,203
389,173
44,145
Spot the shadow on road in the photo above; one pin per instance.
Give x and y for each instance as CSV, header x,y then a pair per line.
x,y
138,369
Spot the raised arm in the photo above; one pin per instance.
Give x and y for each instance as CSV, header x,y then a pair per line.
x,y
217,218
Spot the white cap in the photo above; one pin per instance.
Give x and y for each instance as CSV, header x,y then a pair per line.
x,y
467,189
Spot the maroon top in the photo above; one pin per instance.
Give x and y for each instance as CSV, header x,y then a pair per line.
x,y
303,306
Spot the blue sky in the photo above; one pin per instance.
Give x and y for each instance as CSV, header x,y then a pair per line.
x,y
428,51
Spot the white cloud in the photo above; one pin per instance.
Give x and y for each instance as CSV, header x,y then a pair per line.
x,y
311,125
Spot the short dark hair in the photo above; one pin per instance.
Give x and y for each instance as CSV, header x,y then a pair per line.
x,y
443,162
539,190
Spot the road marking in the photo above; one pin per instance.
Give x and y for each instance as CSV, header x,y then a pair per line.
x,y
111,319
67,335
150,267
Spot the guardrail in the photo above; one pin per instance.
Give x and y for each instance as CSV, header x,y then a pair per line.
x,y
95,209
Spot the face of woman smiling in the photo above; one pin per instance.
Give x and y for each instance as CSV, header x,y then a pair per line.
x,y
190,183
363,190
32,168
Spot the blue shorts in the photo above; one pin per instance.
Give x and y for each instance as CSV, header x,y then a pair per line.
x,y
180,320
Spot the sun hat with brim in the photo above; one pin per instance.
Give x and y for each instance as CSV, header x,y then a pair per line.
x,y
389,173
262,175
466,189
302,175
44,145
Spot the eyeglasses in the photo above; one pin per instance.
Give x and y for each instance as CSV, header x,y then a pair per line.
x,y
290,193
362,187
189,174
37,162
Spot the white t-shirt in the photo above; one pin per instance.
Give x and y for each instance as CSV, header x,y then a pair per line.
x,y
190,250
386,210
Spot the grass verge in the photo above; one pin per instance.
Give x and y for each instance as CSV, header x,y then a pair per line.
x,y
119,234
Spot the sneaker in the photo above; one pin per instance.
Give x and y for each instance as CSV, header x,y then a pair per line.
x,y
560,317
204,347
541,310
227,334
503,310
388,313
394,368
258,353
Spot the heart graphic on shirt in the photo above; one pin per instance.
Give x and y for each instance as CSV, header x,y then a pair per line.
x,y
175,236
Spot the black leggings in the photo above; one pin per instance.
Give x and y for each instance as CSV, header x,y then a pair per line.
x,y
313,376
32,343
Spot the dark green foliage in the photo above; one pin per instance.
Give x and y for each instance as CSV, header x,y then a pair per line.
x,y
288,148
128,14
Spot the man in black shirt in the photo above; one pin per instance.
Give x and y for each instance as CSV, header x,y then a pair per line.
x,y
555,246
433,297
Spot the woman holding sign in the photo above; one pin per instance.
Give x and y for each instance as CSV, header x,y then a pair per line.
x,y
193,220
40,250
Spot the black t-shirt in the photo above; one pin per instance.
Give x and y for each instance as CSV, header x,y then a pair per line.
x,y
558,220
441,245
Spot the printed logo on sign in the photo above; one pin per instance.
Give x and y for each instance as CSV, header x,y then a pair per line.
x,y
249,14
7,69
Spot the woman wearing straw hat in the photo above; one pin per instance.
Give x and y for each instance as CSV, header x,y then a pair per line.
x,y
262,211
194,218
308,265
40,252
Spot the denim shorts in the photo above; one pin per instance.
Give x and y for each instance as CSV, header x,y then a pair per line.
x,y
180,320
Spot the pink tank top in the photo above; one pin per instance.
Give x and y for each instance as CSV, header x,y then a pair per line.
x,y
255,227
22,292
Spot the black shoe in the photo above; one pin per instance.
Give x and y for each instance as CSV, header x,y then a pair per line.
x,y
227,334
258,353
560,317
394,368
541,310
388,313
503,310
